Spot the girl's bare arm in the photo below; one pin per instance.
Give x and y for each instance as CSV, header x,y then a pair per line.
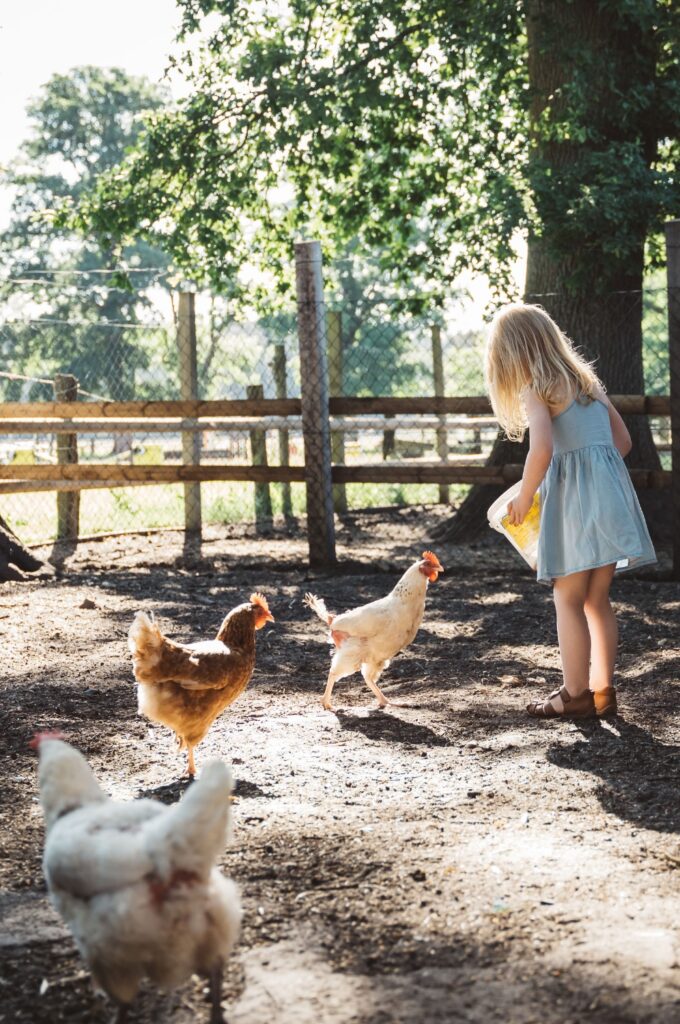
x,y
538,459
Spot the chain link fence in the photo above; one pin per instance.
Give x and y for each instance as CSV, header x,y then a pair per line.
x,y
378,344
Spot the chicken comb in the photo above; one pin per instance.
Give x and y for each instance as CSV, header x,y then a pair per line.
x,y
48,735
429,556
260,600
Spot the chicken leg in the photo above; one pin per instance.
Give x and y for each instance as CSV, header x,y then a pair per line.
x,y
333,677
191,764
122,1015
216,1015
371,674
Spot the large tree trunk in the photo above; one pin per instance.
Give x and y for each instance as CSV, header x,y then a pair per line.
x,y
606,328
594,297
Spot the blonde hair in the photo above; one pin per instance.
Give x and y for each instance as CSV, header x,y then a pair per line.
x,y
527,350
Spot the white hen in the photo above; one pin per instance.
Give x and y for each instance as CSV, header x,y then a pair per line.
x,y
136,882
368,637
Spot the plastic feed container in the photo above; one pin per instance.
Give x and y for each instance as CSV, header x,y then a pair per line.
x,y
524,538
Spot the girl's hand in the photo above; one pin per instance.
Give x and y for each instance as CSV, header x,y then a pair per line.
x,y
518,509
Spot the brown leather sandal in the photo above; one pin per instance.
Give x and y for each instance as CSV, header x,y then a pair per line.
x,y
605,702
582,706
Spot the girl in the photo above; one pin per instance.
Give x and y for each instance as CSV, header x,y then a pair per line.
x,y
591,523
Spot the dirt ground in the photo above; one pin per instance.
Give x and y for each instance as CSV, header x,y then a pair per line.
x,y
451,860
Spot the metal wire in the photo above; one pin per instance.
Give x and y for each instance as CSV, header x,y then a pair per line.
x,y
374,346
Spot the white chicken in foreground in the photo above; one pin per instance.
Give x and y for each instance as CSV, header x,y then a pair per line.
x,y
368,637
136,882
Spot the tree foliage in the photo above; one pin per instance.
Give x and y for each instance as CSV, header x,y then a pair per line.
x,y
81,319
412,127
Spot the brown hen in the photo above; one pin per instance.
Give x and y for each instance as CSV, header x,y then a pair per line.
x,y
186,686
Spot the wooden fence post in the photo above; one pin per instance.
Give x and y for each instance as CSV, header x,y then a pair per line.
x,y
438,380
188,391
314,394
258,453
336,389
280,383
673,278
389,442
68,502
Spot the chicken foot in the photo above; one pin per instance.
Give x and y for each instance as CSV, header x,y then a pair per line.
x,y
216,1015
370,680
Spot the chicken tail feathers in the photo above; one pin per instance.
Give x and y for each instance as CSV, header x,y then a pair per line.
x,y
145,641
193,833
318,606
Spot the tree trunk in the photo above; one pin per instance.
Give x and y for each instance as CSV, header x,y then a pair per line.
x,y
607,329
595,297
14,557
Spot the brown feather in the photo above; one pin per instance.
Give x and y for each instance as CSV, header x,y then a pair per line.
x,y
187,689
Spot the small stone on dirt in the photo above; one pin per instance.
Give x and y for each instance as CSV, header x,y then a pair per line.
x,y
511,680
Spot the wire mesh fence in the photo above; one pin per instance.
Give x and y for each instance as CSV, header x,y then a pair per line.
x,y
377,344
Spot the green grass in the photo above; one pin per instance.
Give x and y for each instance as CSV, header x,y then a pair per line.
x,y
34,516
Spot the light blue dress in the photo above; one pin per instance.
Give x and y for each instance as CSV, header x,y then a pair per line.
x,y
590,515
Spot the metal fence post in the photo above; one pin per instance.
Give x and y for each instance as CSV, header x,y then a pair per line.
x,y
336,389
258,452
188,386
438,380
280,383
68,502
673,278
314,395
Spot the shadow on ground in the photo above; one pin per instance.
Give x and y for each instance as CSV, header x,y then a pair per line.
x,y
641,775
387,727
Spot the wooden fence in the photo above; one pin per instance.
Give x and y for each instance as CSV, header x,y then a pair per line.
x,y
314,411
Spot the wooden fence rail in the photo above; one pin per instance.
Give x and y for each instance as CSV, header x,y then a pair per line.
x,y
113,475
315,413
173,425
476,405
51,417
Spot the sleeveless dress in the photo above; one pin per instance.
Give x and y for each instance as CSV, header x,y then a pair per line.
x,y
590,515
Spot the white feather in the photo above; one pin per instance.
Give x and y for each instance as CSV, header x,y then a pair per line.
x,y
136,882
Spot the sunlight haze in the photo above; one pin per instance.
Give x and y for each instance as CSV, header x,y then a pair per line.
x,y
41,38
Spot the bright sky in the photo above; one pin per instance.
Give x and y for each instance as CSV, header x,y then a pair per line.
x,y
41,37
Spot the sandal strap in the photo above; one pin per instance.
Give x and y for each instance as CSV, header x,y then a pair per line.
x,y
546,708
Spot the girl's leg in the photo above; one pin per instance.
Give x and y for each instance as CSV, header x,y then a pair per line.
x,y
573,699
604,634
570,593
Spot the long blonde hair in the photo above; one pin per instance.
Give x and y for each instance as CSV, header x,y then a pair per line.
x,y
527,350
